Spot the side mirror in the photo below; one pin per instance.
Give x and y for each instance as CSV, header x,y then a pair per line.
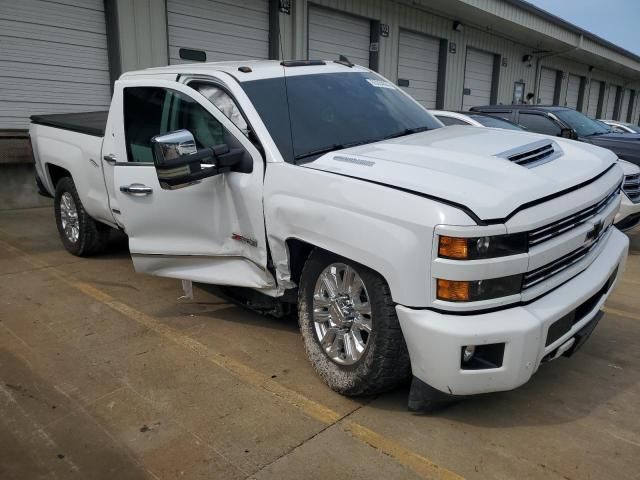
x,y
568,133
179,163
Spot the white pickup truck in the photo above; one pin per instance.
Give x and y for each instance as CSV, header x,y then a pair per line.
x,y
466,257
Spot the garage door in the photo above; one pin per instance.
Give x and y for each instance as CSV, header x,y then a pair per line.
x,y
418,66
611,102
594,98
333,33
224,29
478,77
624,106
573,92
547,86
53,59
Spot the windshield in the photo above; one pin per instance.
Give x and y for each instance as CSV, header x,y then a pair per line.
x,y
495,122
583,125
330,111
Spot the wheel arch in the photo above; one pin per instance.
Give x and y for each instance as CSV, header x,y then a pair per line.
x,y
298,251
57,173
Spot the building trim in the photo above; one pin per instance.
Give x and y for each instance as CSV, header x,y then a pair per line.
x,y
601,96
495,78
274,29
581,92
617,103
632,101
113,40
571,27
442,73
374,39
557,89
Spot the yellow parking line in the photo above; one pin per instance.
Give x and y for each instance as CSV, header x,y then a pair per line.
x,y
416,462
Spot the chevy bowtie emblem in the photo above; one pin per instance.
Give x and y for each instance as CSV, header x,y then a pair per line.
x,y
594,233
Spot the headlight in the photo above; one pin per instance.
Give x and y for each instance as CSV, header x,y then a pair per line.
x,y
473,248
475,290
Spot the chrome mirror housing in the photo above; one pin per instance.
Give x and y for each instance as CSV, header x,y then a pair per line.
x,y
172,146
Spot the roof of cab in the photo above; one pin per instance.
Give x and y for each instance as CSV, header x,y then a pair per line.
x,y
260,69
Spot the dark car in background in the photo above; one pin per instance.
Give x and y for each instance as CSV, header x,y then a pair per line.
x,y
569,123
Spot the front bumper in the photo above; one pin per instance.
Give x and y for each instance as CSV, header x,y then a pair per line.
x,y
629,214
435,340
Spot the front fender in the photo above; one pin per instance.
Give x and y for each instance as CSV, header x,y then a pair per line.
x,y
388,230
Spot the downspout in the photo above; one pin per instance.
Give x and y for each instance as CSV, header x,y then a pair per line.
x,y
536,84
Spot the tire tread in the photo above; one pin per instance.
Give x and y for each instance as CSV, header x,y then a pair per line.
x,y
390,364
94,236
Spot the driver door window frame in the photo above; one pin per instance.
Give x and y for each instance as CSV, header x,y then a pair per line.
x,y
170,85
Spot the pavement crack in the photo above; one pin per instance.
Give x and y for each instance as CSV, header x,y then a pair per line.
x,y
308,439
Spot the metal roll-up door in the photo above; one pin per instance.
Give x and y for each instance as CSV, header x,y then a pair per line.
x,y
478,78
624,106
573,91
418,57
53,59
224,29
333,33
611,102
547,89
594,98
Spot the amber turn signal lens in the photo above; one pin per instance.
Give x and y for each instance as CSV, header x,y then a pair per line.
x,y
453,290
453,247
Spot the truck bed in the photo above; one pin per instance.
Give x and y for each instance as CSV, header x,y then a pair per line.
x,y
91,123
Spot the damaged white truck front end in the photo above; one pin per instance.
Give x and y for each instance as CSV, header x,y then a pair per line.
x,y
463,256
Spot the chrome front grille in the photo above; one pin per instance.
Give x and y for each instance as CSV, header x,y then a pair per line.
x,y
631,187
565,224
550,269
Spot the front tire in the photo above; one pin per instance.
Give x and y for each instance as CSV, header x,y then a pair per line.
x,y
81,235
349,326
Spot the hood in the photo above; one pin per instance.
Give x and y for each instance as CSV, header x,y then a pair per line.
x,y
630,138
469,166
629,168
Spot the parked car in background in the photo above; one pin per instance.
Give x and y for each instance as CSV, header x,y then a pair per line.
x,y
569,123
474,118
465,257
621,127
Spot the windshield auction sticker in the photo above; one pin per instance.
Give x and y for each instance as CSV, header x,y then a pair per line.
x,y
380,83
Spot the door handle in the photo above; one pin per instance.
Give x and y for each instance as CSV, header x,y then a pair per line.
x,y
110,159
136,189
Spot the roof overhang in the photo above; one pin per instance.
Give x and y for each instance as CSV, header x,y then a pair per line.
x,y
543,33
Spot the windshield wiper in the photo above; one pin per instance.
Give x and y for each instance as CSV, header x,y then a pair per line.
x,y
407,131
331,148
341,146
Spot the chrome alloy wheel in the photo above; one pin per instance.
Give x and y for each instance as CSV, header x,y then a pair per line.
x,y
69,217
342,313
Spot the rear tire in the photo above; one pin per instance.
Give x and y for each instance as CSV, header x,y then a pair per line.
x,y
377,358
81,235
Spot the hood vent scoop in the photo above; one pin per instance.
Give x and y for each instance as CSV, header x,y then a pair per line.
x,y
533,154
